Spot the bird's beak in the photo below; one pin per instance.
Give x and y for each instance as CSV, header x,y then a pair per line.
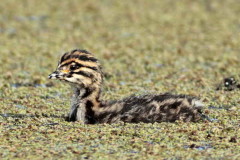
x,y
55,75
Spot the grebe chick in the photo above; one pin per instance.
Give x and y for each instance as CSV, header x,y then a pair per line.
x,y
82,71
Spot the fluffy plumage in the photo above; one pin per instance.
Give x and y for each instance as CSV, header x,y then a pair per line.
x,y
83,72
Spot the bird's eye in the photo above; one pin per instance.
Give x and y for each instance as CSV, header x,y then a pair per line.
x,y
73,67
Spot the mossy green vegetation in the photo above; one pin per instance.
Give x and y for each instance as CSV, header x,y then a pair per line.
x,y
184,47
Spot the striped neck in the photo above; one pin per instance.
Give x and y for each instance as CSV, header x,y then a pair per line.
x,y
87,101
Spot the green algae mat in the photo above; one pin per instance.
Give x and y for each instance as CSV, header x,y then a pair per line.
x,y
185,47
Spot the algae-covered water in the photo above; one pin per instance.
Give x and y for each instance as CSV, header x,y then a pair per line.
x,y
185,47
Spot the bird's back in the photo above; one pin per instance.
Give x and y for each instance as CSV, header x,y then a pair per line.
x,y
151,108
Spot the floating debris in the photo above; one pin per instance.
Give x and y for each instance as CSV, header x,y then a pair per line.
x,y
228,84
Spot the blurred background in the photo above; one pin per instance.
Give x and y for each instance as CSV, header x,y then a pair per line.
x,y
185,47
187,34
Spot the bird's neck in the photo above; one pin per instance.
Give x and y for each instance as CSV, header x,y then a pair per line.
x,y
85,103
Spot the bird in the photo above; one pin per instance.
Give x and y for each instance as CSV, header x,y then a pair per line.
x,y
83,72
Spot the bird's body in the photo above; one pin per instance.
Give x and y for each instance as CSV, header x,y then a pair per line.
x,y
83,72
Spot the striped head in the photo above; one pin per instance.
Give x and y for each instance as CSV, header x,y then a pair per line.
x,y
79,68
